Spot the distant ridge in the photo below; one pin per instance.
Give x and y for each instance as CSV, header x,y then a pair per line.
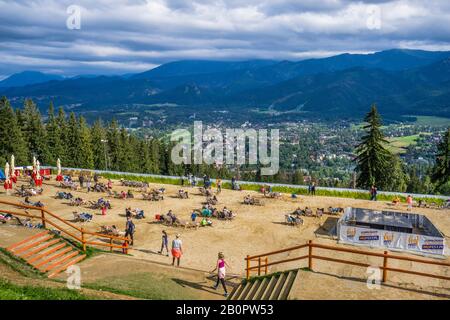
x,y
400,81
28,78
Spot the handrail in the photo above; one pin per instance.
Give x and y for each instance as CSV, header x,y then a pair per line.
x,y
310,256
83,232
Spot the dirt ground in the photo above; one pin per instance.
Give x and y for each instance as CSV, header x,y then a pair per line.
x,y
256,229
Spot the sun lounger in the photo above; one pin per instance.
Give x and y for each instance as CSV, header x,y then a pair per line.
x,y
292,220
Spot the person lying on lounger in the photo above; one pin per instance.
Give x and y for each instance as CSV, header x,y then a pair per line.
x,y
172,216
206,222
308,212
33,204
138,213
206,212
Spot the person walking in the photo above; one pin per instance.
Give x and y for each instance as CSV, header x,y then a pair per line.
x,y
81,180
219,185
409,202
220,267
177,250
164,243
373,193
88,184
130,228
313,189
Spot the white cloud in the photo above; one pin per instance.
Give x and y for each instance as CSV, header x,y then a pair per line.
x,y
131,35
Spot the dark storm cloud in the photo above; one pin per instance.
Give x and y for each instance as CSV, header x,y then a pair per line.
x,y
129,36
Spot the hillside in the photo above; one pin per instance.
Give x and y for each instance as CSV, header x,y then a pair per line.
x,y
401,82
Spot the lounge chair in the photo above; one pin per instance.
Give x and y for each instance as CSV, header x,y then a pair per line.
x,y
82,217
292,220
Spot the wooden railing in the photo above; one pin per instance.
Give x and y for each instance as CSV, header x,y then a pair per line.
x,y
263,260
77,233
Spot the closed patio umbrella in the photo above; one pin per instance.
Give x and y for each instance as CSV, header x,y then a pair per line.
x,y
7,172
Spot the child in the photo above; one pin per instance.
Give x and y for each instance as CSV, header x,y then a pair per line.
x,y
103,209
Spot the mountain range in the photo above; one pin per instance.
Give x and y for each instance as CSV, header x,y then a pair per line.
x,y
401,82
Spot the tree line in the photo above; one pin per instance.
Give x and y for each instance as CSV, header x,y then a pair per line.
x,y
25,134
78,145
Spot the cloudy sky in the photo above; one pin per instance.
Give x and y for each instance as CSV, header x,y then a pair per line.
x,y
126,36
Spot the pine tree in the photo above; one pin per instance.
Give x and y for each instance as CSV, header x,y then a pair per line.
x,y
99,146
11,139
145,160
63,136
441,170
113,137
85,148
54,136
73,141
35,133
372,156
155,157
297,177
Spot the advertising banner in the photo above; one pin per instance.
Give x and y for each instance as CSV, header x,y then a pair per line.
x,y
391,240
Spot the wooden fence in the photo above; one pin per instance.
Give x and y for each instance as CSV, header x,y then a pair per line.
x,y
263,263
79,234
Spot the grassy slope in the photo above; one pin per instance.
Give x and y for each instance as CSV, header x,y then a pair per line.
x,y
10,291
142,285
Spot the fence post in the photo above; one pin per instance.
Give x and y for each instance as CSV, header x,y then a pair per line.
x,y
267,262
385,263
248,267
43,218
82,239
259,266
310,264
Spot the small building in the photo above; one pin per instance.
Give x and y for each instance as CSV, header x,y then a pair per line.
x,y
390,230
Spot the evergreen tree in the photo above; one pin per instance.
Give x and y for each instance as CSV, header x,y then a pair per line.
x,y
99,145
85,148
54,136
11,139
297,177
372,156
63,137
35,133
113,137
395,177
441,170
155,149
145,160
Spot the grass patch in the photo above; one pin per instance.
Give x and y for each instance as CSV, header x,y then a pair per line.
x,y
143,285
398,145
431,121
10,291
19,265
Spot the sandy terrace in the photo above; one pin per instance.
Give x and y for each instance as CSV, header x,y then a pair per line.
x,y
256,229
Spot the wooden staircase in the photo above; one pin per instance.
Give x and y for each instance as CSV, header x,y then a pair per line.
x,y
271,287
47,253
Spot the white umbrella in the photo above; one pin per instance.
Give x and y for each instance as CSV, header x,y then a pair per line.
x,y
6,171
13,165
58,166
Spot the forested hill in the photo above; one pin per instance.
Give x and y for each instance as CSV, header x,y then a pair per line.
x,y
401,82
